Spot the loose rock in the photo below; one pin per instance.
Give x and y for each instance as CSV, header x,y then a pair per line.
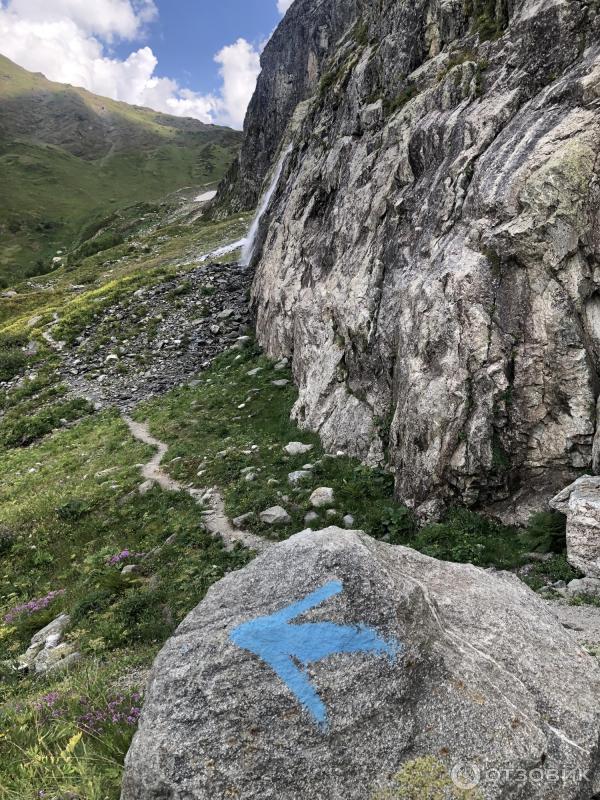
x,y
275,516
297,448
322,497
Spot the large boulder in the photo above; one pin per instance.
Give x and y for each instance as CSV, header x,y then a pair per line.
x,y
581,503
332,660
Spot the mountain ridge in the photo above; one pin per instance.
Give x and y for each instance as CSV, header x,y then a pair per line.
x,y
69,157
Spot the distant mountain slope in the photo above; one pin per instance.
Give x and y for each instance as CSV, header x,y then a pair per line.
x,y
68,157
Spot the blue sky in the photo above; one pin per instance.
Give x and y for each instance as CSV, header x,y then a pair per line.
x,y
188,33
182,57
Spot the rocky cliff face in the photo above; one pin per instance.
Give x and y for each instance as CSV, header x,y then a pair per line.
x,y
431,257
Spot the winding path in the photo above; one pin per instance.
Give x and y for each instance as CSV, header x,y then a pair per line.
x,y
215,520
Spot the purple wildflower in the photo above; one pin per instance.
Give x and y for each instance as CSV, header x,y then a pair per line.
x,y
113,561
27,609
118,711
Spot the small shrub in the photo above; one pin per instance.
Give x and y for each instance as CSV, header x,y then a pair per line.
x,y
97,601
546,572
546,533
12,357
140,616
360,33
393,104
466,537
73,510
585,600
7,540
396,525
105,241
490,17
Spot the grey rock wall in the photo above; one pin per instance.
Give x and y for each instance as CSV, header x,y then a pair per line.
x,y
430,260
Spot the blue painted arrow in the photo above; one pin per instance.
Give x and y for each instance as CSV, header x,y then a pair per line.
x,y
280,644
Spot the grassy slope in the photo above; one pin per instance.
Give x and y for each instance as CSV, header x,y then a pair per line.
x,y
56,178
69,501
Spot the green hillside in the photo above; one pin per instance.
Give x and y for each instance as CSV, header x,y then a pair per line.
x,y
68,157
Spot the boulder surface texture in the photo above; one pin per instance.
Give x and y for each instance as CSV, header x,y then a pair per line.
x,y
317,671
580,502
430,259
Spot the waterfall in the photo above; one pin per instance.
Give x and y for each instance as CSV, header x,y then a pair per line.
x,y
248,249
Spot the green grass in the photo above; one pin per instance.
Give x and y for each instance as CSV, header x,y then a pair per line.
x,y
48,196
210,434
116,273
67,505
68,157
48,747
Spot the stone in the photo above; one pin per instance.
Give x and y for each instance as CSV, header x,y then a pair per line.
x,y
311,517
584,587
322,497
297,477
275,516
239,522
332,512
130,569
540,558
281,364
448,655
252,373
280,383
243,342
297,448
581,503
55,659
226,313
45,639
348,521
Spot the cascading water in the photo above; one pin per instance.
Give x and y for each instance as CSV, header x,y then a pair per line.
x,y
248,248
247,244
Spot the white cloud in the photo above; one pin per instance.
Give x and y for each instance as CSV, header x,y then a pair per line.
x,y
67,41
106,18
283,5
240,65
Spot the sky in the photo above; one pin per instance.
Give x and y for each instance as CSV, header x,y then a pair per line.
x,y
185,57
